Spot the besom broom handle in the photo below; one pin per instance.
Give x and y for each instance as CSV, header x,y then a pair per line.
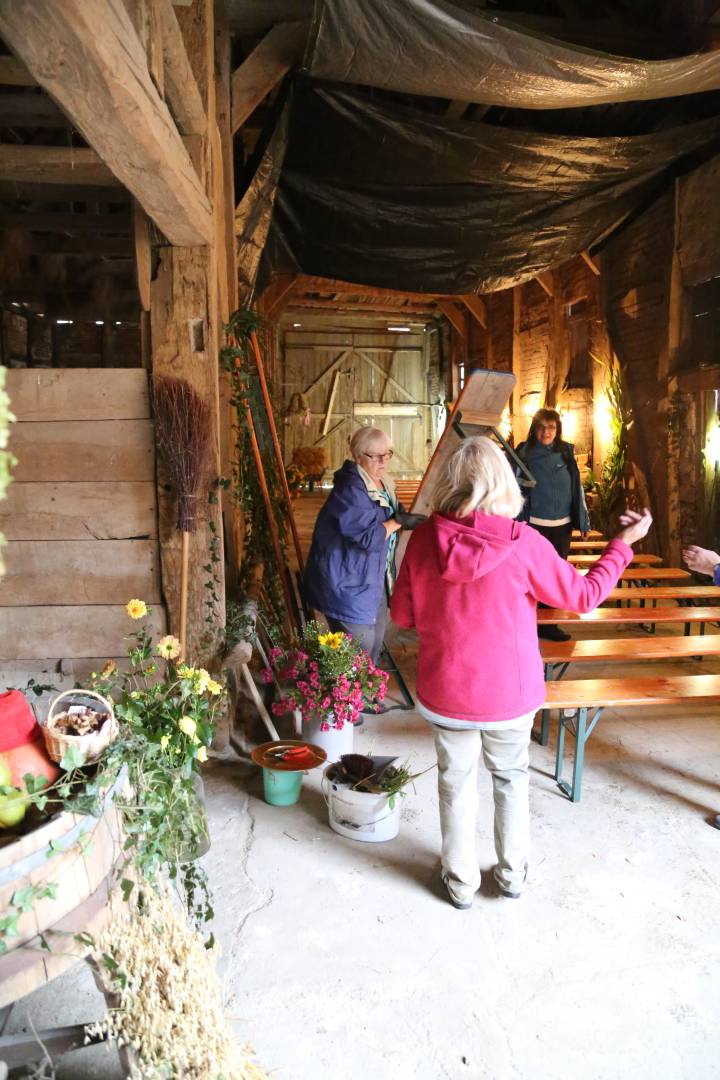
x,y
276,446
184,567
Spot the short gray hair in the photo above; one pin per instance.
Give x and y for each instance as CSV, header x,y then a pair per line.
x,y
368,440
477,476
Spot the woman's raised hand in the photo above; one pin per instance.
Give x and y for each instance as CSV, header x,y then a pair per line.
x,y
634,526
392,525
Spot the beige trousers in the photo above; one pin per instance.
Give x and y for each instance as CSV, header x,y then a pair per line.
x,y
506,756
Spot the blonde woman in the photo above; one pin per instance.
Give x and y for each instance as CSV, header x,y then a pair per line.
x,y
469,583
351,564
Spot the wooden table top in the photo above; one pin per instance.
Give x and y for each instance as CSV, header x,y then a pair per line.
x,y
593,534
671,690
637,560
647,647
588,545
667,592
631,615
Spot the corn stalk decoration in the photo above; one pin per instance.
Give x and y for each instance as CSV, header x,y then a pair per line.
x,y
609,487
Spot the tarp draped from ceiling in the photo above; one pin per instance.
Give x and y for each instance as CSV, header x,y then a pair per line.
x,y
437,48
388,195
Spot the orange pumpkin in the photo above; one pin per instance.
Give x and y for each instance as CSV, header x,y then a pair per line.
x,y
30,758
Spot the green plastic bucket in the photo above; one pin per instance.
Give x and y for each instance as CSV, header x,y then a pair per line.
x,y
281,788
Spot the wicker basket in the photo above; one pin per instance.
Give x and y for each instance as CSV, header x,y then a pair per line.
x,y
92,745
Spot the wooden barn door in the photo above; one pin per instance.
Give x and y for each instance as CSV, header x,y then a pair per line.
x,y
349,379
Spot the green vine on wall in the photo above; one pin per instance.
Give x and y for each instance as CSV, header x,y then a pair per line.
x,y
237,358
609,487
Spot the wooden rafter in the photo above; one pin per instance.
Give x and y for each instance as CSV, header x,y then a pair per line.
x,y
54,165
263,69
181,89
453,316
545,281
587,257
476,306
276,296
87,54
72,224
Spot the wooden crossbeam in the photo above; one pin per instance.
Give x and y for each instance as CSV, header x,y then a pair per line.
x,y
266,65
308,283
42,192
362,353
72,224
54,164
453,316
545,281
276,296
31,110
476,306
52,244
181,89
587,257
87,55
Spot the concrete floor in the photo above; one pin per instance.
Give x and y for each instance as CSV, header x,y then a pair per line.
x,y
339,959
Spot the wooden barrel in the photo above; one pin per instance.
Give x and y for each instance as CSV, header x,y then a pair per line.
x,y
77,854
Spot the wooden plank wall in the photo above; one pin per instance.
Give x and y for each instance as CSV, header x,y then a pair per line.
x,y
81,515
308,353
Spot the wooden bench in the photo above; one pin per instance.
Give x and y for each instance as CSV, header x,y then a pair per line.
x,y
588,697
630,615
593,534
588,545
637,560
635,574
684,594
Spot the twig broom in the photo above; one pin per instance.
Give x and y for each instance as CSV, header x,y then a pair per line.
x,y
182,426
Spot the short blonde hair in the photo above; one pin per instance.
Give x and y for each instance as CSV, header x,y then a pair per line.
x,y
477,476
369,440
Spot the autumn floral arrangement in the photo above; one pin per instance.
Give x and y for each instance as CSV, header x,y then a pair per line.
x,y
296,477
327,677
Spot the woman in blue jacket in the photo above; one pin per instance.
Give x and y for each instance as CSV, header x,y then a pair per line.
x,y
351,563
556,505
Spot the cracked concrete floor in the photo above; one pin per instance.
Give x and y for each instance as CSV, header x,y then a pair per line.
x,y
338,959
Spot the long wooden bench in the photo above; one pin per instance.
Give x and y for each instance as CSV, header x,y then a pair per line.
x,y
684,594
588,545
630,615
635,574
637,560
593,534
588,697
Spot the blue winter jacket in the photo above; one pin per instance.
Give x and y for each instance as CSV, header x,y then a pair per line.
x,y
345,572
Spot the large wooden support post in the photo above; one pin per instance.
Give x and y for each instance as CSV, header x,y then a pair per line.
x,y
518,419
185,346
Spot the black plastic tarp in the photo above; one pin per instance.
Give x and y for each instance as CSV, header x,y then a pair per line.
x,y
440,49
387,195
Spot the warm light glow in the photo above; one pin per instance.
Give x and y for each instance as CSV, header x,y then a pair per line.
x,y
603,416
531,403
506,423
569,424
400,329
712,445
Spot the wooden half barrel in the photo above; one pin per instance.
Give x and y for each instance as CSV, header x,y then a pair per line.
x,y
77,853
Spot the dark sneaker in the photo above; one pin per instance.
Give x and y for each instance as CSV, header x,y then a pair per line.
x,y
552,633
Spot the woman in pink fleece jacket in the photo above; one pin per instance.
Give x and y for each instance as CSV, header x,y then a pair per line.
x,y
470,583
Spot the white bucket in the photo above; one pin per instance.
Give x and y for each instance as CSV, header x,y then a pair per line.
x,y
360,815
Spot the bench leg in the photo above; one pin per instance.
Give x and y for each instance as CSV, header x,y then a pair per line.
x,y
582,730
544,737
560,748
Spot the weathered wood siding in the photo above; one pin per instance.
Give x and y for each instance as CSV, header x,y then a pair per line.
x,y
81,516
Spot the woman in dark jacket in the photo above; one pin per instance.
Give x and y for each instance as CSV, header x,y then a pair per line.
x,y
556,505
351,561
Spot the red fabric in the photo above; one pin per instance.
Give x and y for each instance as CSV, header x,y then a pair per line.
x,y
18,726
471,586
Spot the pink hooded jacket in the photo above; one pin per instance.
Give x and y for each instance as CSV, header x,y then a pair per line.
x,y
470,586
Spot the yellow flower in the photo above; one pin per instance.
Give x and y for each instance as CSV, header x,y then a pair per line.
x,y
185,672
333,641
136,609
187,725
215,687
109,669
201,678
169,647
202,754
164,740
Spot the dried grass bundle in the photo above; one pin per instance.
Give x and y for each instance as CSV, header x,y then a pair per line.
x,y
183,425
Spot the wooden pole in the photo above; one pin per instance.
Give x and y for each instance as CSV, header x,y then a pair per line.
x,y
184,567
276,447
269,511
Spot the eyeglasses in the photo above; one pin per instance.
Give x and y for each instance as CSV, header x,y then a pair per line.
x,y
380,457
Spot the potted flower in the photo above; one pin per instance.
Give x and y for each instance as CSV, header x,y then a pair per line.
x,y
296,479
326,680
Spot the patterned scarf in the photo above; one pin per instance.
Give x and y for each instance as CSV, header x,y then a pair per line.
x,y
385,496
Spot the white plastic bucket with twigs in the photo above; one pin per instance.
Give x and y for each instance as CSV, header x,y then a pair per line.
x,y
360,815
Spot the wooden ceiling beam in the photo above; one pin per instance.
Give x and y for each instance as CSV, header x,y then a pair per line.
x,y
31,110
309,283
181,88
587,258
545,281
476,306
277,295
267,64
80,245
257,16
42,192
87,55
382,312
14,73
54,164
72,224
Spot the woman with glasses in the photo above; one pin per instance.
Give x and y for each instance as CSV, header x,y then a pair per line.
x,y
556,505
351,566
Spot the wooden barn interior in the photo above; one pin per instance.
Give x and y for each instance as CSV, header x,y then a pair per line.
x,y
173,172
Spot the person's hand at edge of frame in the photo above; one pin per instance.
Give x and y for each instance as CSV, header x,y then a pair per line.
x,y
635,526
701,560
